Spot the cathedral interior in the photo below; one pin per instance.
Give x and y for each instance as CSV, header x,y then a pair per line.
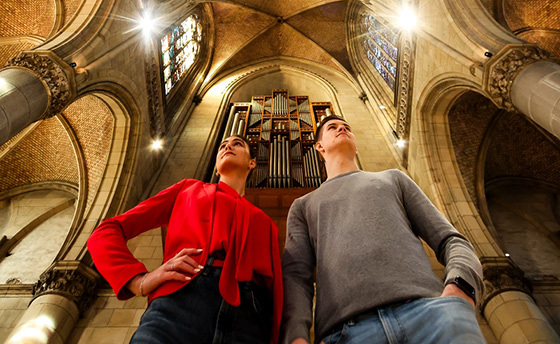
x,y
103,103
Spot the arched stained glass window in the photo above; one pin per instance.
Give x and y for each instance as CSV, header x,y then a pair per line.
x,y
179,49
380,45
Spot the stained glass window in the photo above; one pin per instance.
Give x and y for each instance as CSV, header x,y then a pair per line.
x,y
179,49
380,46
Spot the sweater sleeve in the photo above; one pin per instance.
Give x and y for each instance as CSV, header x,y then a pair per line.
x,y
451,248
298,263
107,243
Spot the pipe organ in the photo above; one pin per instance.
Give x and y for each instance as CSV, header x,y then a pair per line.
x,y
281,131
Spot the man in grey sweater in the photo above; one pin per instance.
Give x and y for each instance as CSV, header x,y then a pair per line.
x,y
374,281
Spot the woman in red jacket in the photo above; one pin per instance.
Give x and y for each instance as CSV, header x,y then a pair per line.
x,y
220,281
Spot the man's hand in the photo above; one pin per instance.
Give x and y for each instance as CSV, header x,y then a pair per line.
x,y
452,290
299,341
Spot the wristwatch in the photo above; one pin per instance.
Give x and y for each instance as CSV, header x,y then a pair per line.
x,y
464,286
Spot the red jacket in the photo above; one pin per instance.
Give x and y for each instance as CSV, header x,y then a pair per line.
x,y
187,208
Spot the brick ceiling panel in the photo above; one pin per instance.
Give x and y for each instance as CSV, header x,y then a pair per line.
x,y
27,17
9,51
546,39
44,154
71,7
468,120
518,149
521,14
92,122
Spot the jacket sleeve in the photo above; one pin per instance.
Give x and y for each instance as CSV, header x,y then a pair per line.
x,y
298,264
277,286
451,248
107,243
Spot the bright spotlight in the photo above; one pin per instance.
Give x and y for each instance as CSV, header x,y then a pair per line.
x,y
157,144
407,19
401,143
147,24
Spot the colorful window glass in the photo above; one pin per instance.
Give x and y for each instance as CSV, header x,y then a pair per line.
x,y
380,46
179,49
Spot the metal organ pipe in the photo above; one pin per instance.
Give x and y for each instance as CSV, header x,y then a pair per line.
x,y
287,163
235,124
229,123
317,172
241,127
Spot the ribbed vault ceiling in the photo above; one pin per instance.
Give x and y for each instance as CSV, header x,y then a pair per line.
x,y
248,31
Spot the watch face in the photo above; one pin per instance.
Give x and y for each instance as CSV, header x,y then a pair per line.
x,y
464,286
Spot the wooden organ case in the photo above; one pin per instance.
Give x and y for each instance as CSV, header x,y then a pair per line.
x,y
281,131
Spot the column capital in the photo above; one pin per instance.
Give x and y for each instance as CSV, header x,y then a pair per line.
x,y
501,274
71,279
53,72
502,69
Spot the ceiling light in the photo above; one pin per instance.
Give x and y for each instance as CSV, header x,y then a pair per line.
x,y
157,144
407,19
147,24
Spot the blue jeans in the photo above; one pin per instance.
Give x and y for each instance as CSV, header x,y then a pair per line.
x,y
198,314
439,320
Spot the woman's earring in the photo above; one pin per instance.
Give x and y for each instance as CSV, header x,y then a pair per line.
x,y
217,174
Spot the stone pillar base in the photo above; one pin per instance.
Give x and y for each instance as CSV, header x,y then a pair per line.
x,y
515,318
49,319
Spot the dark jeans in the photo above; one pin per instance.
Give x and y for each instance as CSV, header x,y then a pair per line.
x,y
198,314
438,320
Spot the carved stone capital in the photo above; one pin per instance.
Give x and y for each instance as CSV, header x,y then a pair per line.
x,y
501,274
502,69
73,280
54,73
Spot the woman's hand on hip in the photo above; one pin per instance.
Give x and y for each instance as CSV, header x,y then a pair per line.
x,y
179,268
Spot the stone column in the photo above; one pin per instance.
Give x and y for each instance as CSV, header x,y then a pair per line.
x,y
509,308
62,293
525,78
34,85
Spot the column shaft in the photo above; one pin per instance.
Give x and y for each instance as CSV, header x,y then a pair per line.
x,y
23,100
536,93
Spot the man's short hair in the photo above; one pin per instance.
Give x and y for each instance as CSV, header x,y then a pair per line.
x,y
318,134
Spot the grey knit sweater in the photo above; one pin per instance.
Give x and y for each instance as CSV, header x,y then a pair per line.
x,y
361,231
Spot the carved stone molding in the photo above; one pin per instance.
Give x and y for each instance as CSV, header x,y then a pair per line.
x,y
502,69
73,280
56,75
155,99
500,275
404,89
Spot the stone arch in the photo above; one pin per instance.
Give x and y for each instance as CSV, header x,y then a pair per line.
x,y
36,219
106,190
205,117
313,80
437,169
